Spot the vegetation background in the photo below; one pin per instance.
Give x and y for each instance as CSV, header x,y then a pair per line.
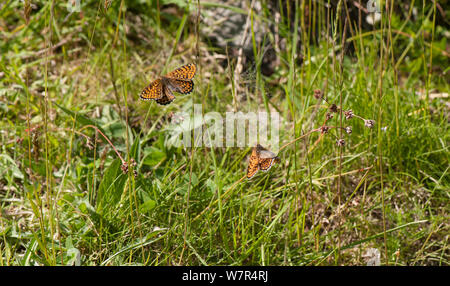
x,y
87,176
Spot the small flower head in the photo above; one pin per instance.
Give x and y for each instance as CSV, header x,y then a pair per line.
x,y
124,167
348,114
340,142
324,129
328,116
369,123
318,94
334,108
348,129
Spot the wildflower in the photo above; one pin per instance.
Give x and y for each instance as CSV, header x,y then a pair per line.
x,y
348,114
348,129
369,123
340,142
333,108
134,164
324,129
124,167
328,116
318,94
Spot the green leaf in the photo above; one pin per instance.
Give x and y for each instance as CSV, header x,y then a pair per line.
x,y
193,179
11,166
111,187
73,257
135,151
147,206
153,156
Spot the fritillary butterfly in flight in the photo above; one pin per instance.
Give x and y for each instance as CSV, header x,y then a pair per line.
x,y
261,159
179,80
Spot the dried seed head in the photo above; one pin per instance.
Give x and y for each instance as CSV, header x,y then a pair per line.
x,y
318,94
124,167
328,116
348,114
89,143
340,142
333,108
369,123
348,129
27,10
324,129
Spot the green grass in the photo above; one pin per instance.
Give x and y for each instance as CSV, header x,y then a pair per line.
x,y
74,80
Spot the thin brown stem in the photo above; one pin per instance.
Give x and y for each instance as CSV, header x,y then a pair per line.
x,y
104,136
298,138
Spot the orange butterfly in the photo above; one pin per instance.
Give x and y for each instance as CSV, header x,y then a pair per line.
x,y
261,159
179,80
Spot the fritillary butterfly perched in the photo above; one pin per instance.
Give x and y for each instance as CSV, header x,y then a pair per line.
x,y
261,159
179,80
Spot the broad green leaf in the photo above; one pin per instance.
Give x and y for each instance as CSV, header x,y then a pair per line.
x,y
153,156
111,187
7,163
147,206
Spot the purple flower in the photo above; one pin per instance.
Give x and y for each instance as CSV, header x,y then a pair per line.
x,y
369,123
348,114
340,142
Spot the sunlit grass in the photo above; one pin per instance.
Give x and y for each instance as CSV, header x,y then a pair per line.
x,y
87,178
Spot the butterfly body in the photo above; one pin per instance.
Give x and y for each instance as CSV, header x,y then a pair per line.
x,y
180,81
260,159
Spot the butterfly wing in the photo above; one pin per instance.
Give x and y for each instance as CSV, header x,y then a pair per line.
x,y
185,72
253,164
266,158
266,164
152,91
167,96
180,86
264,154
